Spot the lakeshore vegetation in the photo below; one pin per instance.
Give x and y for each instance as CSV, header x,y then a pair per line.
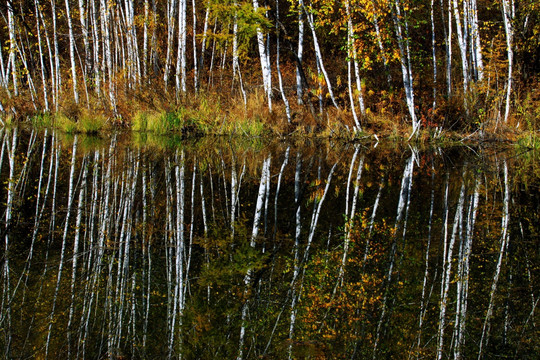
x,y
406,68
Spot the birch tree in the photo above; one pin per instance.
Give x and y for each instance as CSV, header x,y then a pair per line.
x,y
265,63
401,26
72,53
508,10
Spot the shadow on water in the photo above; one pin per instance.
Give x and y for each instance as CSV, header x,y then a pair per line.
x,y
155,247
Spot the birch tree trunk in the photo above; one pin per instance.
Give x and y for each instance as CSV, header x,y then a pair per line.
x,y
171,16
353,52
433,56
236,64
299,52
405,61
41,60
448,45
508,10
462,41
318,54
72,53
265,63
278,68
182,38
476,45
12,49
86,42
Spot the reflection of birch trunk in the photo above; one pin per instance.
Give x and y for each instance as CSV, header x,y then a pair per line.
x,y
147,255
5,309
78,220
129,188
278,187
296,264
205,225
400,21
178,295
64,236
447,268
350,218
169,241
39,212
90,278
234,180
314,220
504,243
265,178
423,304
372,219
402,209
463,274
188,256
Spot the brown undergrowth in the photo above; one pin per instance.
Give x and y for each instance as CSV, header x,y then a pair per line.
x,y
152,109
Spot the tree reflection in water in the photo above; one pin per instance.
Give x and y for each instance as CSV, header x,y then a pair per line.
x,y
217,249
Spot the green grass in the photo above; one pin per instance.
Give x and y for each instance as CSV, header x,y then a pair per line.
x,y
87,123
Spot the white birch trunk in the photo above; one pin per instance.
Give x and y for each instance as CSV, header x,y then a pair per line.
x,y
318,53
105,7
12,50
236,65
171,12
181,56
41,60
72,53
448,49
405,61
195,59
265,64
278,68
84,30
461,35
508,18
352,51
433,55
300,51
145,40
475,42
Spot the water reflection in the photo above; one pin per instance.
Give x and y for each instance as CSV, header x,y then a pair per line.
x,y
218,249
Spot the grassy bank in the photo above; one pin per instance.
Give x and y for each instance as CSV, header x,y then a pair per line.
x,y
211,113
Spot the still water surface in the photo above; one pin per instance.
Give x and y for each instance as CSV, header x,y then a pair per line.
x,y
220,249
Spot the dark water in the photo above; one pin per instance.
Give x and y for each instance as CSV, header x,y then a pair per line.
x,y
220,249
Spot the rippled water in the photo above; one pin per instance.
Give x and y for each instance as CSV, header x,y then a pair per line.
x,y
215,248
